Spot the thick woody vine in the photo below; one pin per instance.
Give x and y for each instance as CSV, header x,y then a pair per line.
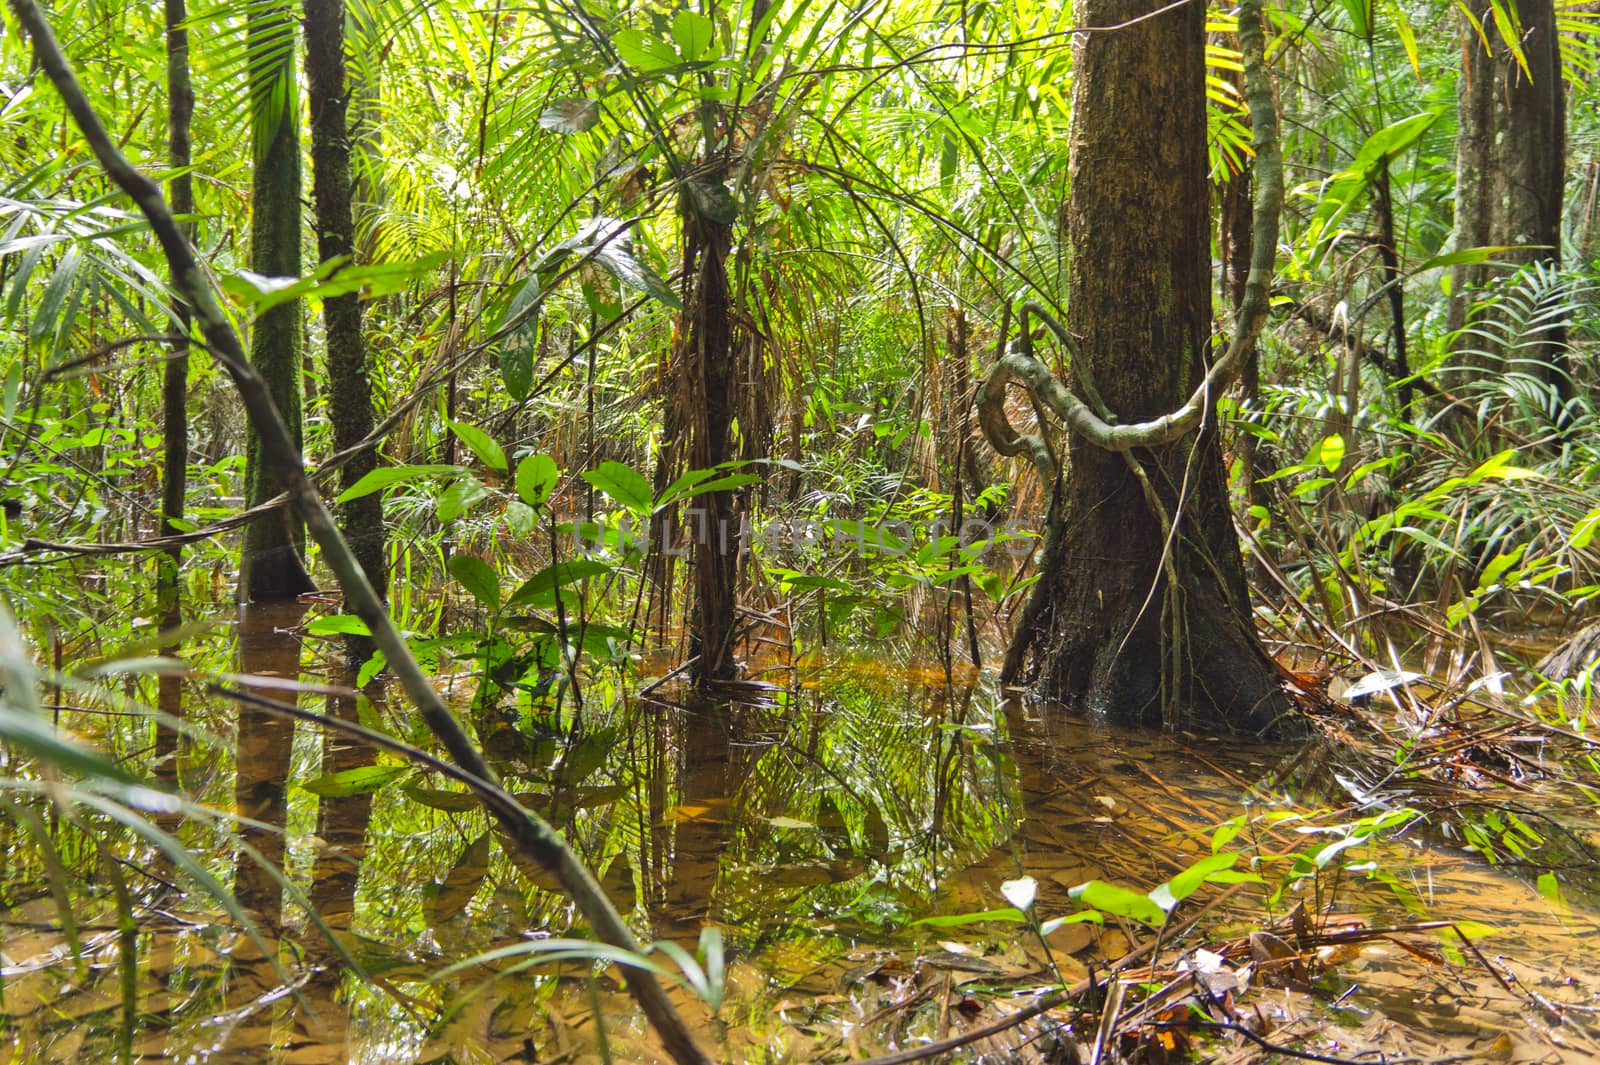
x,y
1089,417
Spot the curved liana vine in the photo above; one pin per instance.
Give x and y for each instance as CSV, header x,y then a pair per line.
x,y
1099,427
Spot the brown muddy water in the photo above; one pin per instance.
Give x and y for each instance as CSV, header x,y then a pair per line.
x,y
814,826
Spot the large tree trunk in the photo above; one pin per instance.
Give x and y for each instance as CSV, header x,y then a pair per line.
x,y
1114,634
349,387
707,361
1510,157
271,567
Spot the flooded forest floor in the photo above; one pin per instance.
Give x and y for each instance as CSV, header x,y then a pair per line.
x,y
891,856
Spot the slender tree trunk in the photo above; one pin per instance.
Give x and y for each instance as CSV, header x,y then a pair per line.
x,y
349,387
1141,623
271,567
1510,160
174,381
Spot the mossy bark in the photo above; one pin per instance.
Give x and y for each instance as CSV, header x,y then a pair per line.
x,y
349,386
271,567
1115,634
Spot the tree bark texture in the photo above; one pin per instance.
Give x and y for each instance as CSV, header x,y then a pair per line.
x,y
175,379
707,362
1115,634
271,567
1510,156
349,386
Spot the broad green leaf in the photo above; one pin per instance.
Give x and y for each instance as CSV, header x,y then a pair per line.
x,y
693,33
386,476
804,581
1474,929
1408,37
536,479
359,781
517,349
645,52
1347,189
712,950
1338,847
1186,883
610,243
1584,531
623,484
1118,901
1393,139
462,494
477,577
339,625
573,115
371,668
1499,467
1331,452
519,519
1360,12
540,589
1498,566
481,444
716,484
43,322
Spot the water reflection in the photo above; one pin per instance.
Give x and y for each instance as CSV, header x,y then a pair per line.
x,y
815,828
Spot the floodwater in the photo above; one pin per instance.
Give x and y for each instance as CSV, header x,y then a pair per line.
x,y
814,824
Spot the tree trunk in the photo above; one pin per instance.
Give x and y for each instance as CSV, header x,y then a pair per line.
x,y
1510,158
271,567
707,360
349,387
1114,633
174,383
